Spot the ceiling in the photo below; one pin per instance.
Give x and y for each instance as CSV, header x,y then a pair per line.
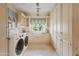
x,y
31,8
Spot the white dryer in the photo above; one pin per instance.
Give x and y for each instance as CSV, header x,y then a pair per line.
x,y
20,47
22,44
17,44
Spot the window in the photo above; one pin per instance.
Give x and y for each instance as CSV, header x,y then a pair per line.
x,y
37,27
38,24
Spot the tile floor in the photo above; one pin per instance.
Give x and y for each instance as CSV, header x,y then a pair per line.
x,y
35,49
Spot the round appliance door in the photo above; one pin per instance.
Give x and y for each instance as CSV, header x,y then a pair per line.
x,y
26,41
19,47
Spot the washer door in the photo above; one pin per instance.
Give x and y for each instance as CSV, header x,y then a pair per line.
x,y
26,40
19,47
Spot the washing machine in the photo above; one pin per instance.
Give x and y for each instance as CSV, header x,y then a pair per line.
x,y
22,44
18,43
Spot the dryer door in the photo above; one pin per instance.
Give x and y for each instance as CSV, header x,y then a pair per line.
x,y
19,47
26,41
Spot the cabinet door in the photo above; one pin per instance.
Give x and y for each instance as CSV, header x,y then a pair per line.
x,y
75,29
58,18
65,18
70,29
59,47
55,42
3,30
70,49
22,20
65,48
54,21
59,28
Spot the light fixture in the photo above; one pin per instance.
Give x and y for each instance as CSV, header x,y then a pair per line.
x,y
37,4
37,9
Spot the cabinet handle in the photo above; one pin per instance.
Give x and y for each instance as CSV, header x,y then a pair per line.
x,y
8,38
61,32
77,54
70,44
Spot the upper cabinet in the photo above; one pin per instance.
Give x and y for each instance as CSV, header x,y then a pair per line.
x,y
23,20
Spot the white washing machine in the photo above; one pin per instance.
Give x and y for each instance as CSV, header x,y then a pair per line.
x,y
21,44
18,43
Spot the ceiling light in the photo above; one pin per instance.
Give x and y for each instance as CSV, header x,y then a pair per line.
x,y
37,4
37,9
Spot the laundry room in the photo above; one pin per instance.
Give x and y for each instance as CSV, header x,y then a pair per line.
x,y
24,34
39,29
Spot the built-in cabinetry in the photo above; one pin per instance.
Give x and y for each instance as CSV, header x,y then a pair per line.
x,y
3,30
7,23
64,29
75,29
23,20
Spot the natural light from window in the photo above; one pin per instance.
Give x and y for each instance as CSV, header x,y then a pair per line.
x,y
39,25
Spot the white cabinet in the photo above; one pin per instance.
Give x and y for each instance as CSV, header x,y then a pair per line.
x,y
65,48
58,19
65,28
59,47
54,22
65,18
70,49
62,25
21,18
23,21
